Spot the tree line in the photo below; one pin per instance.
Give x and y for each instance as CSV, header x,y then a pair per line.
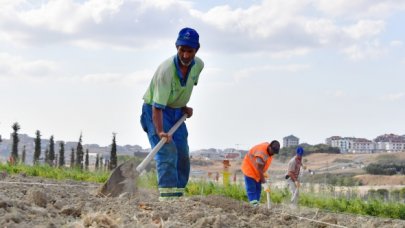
x,y
288,152
78,158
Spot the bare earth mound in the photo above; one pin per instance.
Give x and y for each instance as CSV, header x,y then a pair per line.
x,y
36,202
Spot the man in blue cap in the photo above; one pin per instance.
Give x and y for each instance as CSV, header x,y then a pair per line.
x,y
165,102
294,167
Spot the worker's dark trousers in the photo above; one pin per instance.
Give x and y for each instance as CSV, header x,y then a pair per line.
x,y
253,189
172,160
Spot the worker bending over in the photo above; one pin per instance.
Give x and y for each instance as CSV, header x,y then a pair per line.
x,y
254,165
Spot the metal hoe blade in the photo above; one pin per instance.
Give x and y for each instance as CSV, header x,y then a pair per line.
x,y
123,178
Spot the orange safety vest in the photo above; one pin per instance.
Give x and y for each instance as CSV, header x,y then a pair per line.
x,y
249,162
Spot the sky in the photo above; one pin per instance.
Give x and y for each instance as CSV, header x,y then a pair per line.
x,y
310,68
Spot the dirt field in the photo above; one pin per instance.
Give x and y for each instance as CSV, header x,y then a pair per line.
x,y
36,202
375,180
320,163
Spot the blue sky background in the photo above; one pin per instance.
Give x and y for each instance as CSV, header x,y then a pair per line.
x,y
312,68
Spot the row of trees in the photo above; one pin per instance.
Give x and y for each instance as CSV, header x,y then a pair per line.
x,y
78,159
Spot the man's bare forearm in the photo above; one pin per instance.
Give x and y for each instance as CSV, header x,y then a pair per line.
x,y
157,117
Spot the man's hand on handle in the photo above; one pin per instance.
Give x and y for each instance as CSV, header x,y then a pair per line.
x,y
266,187
188,111
165,135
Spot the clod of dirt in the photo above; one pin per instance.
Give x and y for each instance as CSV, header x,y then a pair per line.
x,y
4,204
287,217
329,219
37,197
71,210
193,216
38,210
59,204
99,220
14,217
211,221
3,175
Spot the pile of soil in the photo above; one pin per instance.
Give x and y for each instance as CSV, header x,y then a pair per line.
x,y
37,202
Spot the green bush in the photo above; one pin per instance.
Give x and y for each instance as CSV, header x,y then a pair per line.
x,y
384,166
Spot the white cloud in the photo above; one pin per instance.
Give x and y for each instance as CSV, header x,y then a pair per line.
x,y
339,93
116,23
356,9
137,77
396,43
287,68
364,29
394,96
367,50
325,30
290,53
258,21
16,66
285,28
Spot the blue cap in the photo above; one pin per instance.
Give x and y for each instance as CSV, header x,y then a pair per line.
x,y
300,151
188,37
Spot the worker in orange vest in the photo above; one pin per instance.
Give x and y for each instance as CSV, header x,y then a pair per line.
x,y
254,165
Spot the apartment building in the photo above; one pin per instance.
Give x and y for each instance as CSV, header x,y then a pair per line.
x,y
343,143
361,145
389,143
383,143
290,140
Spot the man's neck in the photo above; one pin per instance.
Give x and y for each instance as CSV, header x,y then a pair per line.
x,y
183,70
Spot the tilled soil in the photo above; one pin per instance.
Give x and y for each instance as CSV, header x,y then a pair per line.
x,y
37,202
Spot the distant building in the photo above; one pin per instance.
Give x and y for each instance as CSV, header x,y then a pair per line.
x,y
360,145
290,140
389,143
383,143
343,143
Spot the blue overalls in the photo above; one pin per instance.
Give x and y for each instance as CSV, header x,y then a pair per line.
x,y
172,160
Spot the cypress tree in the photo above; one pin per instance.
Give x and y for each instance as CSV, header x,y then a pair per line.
x,y
97,161
23,155
51,151
55,163
79,153
86,161
101,162
61,154
72,158
106,164
113,155
37,147
47,161
14,151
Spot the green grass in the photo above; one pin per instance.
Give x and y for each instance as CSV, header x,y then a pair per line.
x,y
209,188
374,207
56,173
